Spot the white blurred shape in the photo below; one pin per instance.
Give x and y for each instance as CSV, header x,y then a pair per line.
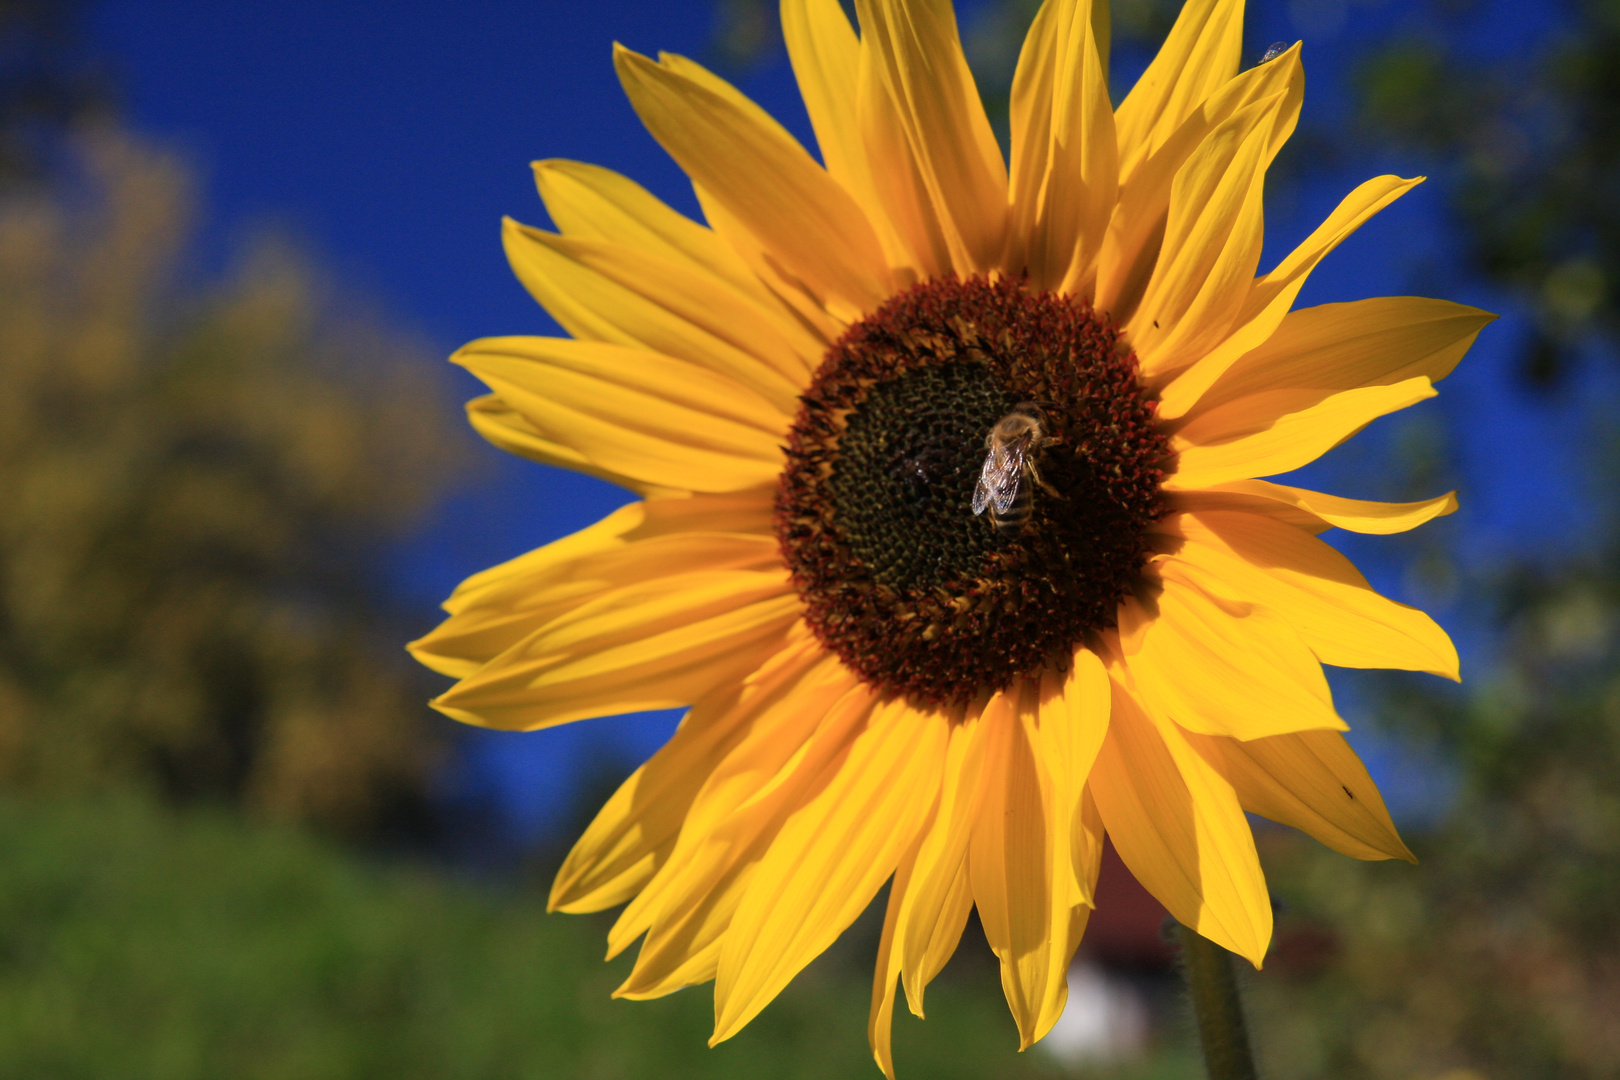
x,y
1106,1019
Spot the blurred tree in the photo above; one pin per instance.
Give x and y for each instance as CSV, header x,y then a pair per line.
x,y
1530,138
745,31
47,81
197,489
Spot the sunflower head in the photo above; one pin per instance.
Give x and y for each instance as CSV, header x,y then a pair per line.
x,y
950,528
912,589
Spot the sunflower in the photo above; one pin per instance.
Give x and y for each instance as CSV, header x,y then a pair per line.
x,y
814,393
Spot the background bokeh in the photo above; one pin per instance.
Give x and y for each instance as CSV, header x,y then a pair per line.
x,y
236,242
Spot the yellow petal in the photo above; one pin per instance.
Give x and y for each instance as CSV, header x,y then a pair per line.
x,y
655,645
1337,347
1212,242
1367,199
592,203
1274,294
1247,557
695,73
1202,52
897,176
1102,32
746,512
1179,828
919,57
1313,781
1030,106
1224,497
1315,511
945,933
1008,868
1087,837
795,724
825,54
886,976
506,428
938,896
513,592
1065,171
506,583
811,307
1136,229
1273,432
550,367
1219,667
1020,860
549,589
667,540
795,728
634,833
830,859
693,958
826,58
649,416
802,215
608,292
1073,723
788,290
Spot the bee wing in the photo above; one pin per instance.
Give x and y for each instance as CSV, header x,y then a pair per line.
x,y
1012,476
984,490
998,480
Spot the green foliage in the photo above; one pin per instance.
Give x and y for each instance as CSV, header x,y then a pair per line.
x,y
198,486
150,945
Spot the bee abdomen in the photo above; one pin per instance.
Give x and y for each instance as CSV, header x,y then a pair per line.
x,y
1010,522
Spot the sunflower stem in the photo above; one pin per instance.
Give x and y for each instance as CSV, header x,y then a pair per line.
x,y
1212,981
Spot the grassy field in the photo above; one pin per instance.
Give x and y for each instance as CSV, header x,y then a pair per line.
x,y
139,943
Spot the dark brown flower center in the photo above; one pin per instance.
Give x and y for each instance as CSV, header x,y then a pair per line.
x,y
913,590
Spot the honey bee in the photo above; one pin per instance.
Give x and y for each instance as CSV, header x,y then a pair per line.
x,y
1014,443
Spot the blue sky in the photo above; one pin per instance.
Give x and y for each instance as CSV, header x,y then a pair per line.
x,y
391,138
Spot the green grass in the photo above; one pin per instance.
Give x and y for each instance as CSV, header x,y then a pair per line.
x,y
142,943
